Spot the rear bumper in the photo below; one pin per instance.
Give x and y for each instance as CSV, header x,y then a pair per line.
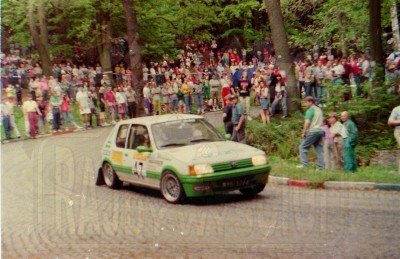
x,y
225,181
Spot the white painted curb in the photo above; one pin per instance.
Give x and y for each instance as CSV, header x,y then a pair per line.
x,y
278,180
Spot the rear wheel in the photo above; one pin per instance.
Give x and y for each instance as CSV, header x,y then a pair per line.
x,y
171,188
253,191
110,177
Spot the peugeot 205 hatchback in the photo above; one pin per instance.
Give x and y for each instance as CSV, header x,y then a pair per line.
x,y
182,156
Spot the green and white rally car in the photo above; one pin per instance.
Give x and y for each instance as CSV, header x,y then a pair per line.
x,y
182,156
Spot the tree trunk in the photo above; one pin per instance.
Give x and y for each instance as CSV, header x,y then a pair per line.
x,y
133,41
135,57
343,42
282,51
375,31
104,42
39,35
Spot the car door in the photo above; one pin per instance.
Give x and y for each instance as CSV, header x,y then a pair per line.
x,y
139,161
119,153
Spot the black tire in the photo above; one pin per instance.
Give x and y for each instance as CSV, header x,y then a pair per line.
x,y
171,188
253,191
110,177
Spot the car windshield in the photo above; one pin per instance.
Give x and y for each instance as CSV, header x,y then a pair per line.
x,y
184,132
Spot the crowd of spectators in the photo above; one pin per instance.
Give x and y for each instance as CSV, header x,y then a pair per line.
x,y
199,80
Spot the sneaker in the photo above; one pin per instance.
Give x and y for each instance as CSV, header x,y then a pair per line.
x,y
66,129
59,130
284,116
113,123
106,124
300,167
249,118
78,127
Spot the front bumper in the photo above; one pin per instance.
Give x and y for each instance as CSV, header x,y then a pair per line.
x,y
221,182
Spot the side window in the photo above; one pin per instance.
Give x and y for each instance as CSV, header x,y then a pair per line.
x,y
138,136
121,136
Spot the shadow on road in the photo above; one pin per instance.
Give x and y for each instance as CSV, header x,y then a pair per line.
x,y
231,197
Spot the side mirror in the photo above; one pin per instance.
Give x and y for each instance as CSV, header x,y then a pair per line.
x,y
228,136
142,149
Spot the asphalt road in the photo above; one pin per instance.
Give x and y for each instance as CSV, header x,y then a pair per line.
x,y
51,208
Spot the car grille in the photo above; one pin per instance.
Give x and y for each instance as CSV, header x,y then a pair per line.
x,y
224,166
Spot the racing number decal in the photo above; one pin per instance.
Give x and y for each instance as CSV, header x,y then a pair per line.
x,y
138,169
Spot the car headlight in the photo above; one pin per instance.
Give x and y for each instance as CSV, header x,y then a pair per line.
x,y
259,160
200,169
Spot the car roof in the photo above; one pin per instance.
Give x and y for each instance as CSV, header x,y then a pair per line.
x,y
149,120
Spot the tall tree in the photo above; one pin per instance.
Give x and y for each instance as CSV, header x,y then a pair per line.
x,y
375,30
104,37
282,50
132,31
37,21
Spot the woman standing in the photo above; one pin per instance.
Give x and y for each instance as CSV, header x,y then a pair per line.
x,y
121,102
264,102
82,99
66,112
31,110
280,97
226,88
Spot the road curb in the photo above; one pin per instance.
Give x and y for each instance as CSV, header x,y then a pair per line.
x,y
387,186
278,180
333,185
306,183
349,185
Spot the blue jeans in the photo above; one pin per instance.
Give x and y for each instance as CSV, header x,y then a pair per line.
x,y
275,104
174,104
307,89
7,126
188,103
315,139
56,118
320,93
68,115
199,102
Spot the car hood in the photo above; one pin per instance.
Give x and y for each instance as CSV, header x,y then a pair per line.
x,y
212,152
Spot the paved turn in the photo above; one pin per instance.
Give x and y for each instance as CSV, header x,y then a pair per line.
x,y
52,209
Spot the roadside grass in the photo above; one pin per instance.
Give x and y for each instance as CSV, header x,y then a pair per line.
x,y
280,139
379,174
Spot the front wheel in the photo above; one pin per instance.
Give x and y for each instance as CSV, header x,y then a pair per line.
x,y
110,177
171,188
253,191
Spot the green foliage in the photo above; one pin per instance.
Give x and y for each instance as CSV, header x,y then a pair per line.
x,y
164,25
378,174
281,137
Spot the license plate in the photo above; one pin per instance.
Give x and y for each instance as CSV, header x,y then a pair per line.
x,y
235,183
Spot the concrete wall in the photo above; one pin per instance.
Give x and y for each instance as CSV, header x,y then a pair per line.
x,y
386,158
